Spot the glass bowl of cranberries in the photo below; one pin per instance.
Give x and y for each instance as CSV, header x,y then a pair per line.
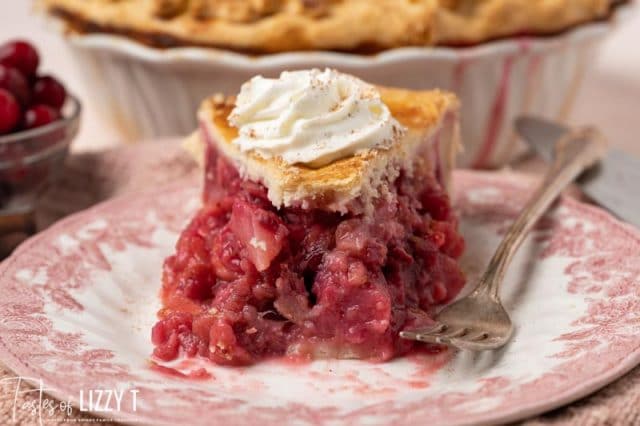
x,y
38,120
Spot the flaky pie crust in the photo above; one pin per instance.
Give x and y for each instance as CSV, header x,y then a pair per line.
x,y
348,184
268,26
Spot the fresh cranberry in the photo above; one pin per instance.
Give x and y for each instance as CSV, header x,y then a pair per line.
x,y
21,55
39,115
12,80
9,111
49,91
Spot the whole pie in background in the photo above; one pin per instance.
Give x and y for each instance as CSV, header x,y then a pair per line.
x,y
267,26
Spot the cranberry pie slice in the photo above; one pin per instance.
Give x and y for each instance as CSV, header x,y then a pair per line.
x,y
306,249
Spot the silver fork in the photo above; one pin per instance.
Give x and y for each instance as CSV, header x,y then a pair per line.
x,y
479,321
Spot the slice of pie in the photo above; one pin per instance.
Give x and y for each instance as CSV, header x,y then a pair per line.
x,y
302,246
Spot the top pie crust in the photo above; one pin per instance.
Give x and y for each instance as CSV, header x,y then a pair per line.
x,y
431,142
266,26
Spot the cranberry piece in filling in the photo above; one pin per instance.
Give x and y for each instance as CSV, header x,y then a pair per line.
x,y
248,281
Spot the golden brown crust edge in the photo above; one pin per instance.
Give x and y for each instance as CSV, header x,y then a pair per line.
x,y
342,184
390,23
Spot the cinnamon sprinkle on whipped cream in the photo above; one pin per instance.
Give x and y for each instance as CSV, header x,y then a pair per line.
x,y
312,117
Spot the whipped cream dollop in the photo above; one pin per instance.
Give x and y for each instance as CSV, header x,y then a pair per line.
x,y
312,117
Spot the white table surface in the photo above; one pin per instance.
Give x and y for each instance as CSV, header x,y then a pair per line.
x,y
610,97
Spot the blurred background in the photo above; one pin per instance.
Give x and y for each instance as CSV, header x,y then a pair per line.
x,y
610,97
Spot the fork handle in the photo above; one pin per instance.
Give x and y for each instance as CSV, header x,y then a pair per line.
x,y
574,152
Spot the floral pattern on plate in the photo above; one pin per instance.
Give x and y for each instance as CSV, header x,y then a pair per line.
x,y
79,301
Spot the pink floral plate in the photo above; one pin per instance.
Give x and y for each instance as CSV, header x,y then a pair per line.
x,y
79,299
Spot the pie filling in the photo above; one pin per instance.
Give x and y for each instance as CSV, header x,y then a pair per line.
x,y
249,281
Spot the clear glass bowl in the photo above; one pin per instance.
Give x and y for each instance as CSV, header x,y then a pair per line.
x,y
29,162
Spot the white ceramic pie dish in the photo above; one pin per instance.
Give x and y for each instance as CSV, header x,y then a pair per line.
x,y
149,92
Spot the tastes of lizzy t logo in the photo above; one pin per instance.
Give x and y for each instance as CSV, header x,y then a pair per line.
x,y
107,400
31,403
